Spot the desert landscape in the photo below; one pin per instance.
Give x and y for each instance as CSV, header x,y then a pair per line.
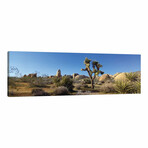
x,y
93,82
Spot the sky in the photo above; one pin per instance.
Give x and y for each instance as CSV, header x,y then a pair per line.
x,y
49,62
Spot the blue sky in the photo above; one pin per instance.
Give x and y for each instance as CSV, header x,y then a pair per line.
x,y
69,63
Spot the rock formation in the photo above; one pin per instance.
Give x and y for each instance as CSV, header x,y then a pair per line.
x,y
25,76
116,74
33,75
58,74
69,76
120,77
78,77
104,77
51,76
74,75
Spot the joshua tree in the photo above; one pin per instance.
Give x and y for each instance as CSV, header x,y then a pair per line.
x,y
92,73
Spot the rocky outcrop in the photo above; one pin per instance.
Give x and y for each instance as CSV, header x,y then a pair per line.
x,y
74,75
78,77
69,76
121,77
33,75
116,74
58,74
51,76
104,77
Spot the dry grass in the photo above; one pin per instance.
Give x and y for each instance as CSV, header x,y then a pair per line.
x,y
24,89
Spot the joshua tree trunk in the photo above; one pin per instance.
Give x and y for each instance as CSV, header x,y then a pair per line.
x,y
92,83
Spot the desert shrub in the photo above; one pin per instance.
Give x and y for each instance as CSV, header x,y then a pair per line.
x,y
107,88
37,82
86,81
49,81
81,86
39,92
25,79
136,87
78,86
124,87
46,80
56,81
85,86
67,82
61,90
11,83
132,76
76,81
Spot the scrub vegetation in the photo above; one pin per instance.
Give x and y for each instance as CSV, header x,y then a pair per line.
x,y
93,84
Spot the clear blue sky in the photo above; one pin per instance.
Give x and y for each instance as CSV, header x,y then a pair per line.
x,y
69,63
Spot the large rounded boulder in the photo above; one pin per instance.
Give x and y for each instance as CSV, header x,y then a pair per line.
x,y
116,74
120,77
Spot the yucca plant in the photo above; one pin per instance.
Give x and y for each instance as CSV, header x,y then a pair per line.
x,y
137,87
131,76
123,87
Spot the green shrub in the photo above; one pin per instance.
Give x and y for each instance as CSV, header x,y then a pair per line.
x,y
137,87
67,82
56,81
86,81
61,91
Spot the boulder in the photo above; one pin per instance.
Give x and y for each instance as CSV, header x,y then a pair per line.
x,y
111,76
78,77
116,74
120,77
33,75
74,75
58,74
104,77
